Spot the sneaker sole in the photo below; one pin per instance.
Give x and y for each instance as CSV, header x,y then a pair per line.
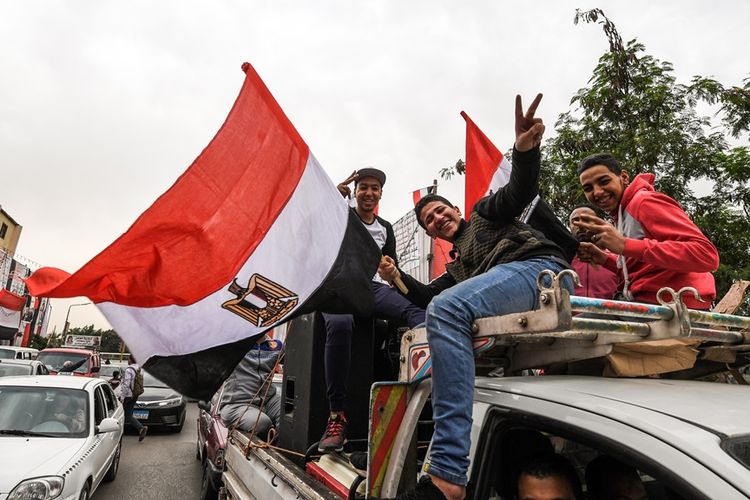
x,y
330,450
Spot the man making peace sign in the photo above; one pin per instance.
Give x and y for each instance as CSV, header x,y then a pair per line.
x,y
499,259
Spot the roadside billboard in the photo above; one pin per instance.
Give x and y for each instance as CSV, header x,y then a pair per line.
x,y
84,341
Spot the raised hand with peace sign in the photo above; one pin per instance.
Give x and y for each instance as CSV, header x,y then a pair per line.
x,y
529,130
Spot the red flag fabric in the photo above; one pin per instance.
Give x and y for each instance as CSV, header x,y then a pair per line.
x,y
487,170
11,306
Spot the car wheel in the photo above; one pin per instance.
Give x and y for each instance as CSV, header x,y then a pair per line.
x,y
115,466
207,490
84,492
198,450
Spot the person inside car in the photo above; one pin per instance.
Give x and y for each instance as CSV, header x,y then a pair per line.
x,y
69,366
609,479
68,412
550,477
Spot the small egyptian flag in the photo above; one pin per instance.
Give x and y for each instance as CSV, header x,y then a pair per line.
x,y
487,170
252,234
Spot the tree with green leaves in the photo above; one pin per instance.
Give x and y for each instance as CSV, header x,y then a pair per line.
x,y
635,109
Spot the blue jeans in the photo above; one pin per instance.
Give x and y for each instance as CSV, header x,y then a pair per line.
x,y
128,405
389,304
504,289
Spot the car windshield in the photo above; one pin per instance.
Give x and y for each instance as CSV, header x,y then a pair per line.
x,y
8,370
7,353
109,370
56,360
43,411
151,381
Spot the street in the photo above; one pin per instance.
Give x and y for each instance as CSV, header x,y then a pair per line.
x,y
163,466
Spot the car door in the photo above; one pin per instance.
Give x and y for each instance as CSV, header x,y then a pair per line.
x,y
674,474
105,443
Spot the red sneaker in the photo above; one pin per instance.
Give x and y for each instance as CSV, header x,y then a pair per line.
x,y
335,435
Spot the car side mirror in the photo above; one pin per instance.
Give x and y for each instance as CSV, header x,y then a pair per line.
x,y
205,406
95,369
108,425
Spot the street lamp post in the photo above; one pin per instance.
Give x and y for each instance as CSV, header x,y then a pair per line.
x,y
65,327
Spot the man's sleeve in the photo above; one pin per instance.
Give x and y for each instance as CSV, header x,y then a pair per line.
x,y
389,248
510,200
421,294
673,241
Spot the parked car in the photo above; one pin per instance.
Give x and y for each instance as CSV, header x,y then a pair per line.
x,y
160,405
15,352
13,367
212,442
60,436
56,357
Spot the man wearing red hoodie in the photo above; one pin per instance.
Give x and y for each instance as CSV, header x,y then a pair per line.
x,y
654,243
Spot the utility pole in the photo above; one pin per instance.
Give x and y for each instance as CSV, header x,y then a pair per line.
x,y
65,328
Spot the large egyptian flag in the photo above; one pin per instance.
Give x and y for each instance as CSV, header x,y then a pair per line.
x,y
252,234
487,169
11,306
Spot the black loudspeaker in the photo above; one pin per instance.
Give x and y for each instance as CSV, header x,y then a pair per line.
x,y
304,405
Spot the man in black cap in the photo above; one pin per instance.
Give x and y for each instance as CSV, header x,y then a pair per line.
x,y
389,304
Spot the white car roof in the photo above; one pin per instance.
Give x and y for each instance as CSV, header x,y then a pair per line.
x,y
719,408
62,381
16,361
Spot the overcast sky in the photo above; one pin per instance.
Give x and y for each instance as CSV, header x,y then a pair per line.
x,y
104,104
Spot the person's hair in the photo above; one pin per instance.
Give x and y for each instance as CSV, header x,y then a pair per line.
x,y
605,159
597,211
550,465
602,471
423,203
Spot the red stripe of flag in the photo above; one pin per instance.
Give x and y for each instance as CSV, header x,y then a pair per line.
x,y
227,187
482,160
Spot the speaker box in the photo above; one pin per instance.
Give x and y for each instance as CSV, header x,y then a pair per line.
x,y
304,404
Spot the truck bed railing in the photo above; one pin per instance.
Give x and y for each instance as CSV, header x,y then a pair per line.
x,y
569,328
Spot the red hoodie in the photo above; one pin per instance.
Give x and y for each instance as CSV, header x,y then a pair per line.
x,y
663,247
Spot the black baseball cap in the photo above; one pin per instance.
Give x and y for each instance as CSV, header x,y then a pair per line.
x,y
371,172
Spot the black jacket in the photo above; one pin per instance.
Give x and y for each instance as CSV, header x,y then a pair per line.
x,y
494,235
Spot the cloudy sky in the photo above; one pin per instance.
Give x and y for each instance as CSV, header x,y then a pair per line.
x,y
104,104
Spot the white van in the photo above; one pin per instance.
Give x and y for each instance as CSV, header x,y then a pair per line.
x,y
15,352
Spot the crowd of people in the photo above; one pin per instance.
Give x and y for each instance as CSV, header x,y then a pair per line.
x,y
650,243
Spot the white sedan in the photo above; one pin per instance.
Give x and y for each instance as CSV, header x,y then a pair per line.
x,y
60,436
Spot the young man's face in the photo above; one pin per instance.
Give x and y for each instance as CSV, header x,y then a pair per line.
x,y
368,192
575,216
547,488
602,187
440,220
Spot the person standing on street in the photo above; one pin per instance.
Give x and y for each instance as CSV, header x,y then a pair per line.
x,y
130,388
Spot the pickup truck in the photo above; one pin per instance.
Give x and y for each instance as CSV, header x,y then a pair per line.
x,y
686,438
